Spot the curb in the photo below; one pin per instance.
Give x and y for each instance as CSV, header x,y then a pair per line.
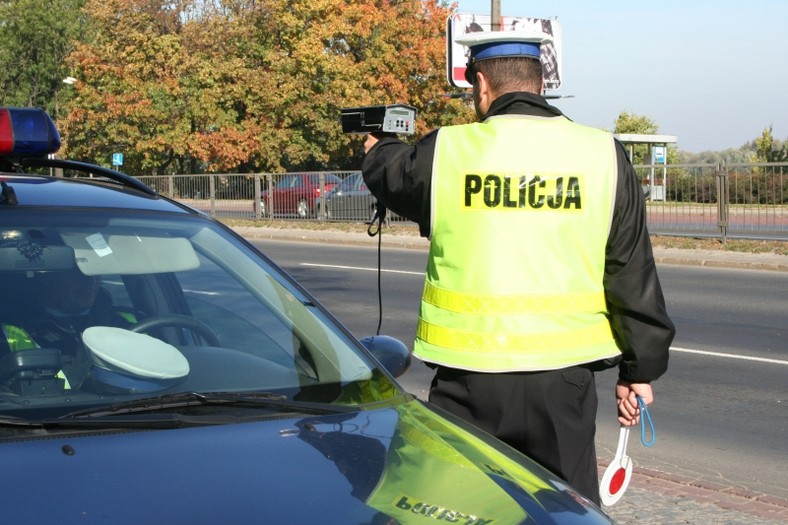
x,y
666,256
736,260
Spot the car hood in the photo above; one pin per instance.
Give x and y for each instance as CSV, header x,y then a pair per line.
x,y
403,464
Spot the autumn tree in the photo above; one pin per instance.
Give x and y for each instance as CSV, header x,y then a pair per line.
x,y
128,86
319,56
221,81
217,85
159,85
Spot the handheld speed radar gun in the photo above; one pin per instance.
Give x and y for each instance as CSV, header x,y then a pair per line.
x,y
395,119
399,119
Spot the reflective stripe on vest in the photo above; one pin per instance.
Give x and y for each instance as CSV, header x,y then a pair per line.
x,y
511,197
537,303
17,338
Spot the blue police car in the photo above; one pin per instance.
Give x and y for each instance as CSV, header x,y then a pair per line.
x,y
157,368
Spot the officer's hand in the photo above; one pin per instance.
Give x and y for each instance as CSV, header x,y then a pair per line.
x,y
371,140
626,400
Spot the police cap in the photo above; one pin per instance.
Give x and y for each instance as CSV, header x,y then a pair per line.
x,y
485,45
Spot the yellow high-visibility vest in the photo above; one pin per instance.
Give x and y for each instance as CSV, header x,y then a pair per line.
x,y
17,338
521,211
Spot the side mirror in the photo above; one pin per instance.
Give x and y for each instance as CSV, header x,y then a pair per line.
x,y
391,353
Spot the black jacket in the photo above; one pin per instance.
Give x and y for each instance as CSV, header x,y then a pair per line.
x,y
399,175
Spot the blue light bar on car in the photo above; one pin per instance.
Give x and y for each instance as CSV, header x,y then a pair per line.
x,y
27,132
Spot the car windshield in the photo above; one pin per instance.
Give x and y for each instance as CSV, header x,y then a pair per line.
x,y
107,307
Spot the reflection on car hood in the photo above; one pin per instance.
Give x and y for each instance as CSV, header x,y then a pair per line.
x,y
403,464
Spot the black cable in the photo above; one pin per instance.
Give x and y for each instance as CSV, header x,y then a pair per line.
x,y
380,215
380,272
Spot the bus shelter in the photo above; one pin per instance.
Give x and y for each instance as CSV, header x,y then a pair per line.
x,y
656,159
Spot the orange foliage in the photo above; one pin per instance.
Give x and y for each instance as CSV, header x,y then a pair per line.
x,y
196,86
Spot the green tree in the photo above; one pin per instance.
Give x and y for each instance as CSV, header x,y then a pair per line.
x,y
764,145
779,153
742,154
35,39
630,123
769,149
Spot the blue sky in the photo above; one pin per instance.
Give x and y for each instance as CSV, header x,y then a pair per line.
x,y
712,72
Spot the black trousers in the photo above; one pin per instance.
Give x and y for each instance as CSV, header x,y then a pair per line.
x,y
549,416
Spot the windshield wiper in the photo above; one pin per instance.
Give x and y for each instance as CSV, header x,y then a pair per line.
x,y
188,399
12,422
145,421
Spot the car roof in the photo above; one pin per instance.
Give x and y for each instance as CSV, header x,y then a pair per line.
x,y
45,191
328,177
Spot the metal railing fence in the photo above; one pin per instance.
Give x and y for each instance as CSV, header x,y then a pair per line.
x,y
707,200
315,195
720,200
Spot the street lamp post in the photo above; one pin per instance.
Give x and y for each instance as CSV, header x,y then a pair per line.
x,y
495,15
69,81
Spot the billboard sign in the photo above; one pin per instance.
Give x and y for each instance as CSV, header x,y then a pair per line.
x,y
457,54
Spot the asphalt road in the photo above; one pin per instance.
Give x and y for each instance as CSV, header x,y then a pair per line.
x,y
721,411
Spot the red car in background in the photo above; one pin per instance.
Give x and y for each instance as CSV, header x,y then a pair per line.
x,y
294,194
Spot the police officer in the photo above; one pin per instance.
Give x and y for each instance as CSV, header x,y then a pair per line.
x,y
66,303
540,269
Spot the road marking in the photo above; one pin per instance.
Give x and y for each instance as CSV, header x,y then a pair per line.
x,y
361,269
672,348
730,356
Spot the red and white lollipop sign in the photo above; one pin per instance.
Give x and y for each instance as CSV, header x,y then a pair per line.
x,y
616,478
618,474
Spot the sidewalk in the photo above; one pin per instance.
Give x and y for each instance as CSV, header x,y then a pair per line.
x,y
659,498
408,238
653,498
